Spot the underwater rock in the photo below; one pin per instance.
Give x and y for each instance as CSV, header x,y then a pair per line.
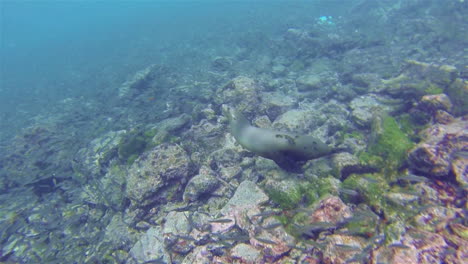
x,y
221,64
309,82
460,169
157,175
150,248
230,173
245,253
93,160
204,137
321,167
204,183
442,117
176,228
299,121
274,104
363,82
241,92
364,108
200,255
224,157
208,113
432,103
241,208
388,141
118,232
107,190
177,223
343,248
138,81
149,77
170,126
39,156
458,93
247,195
278,70
274,243
416,247
419,78
287,193
441,145
345,163
330,210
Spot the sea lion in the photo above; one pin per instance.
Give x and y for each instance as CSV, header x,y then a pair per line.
x,y
286,149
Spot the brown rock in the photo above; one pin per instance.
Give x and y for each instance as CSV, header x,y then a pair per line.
x,y
342,248
460,169
436,153
436,102
331,210
418,247
443,117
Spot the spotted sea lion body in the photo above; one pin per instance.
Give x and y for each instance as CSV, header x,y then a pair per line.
x,y
284,148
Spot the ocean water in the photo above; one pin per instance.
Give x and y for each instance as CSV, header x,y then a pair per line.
x,y
114,120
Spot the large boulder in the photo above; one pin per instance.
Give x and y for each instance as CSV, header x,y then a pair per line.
x,y
150,248
443,144
158,175
241,92
276,103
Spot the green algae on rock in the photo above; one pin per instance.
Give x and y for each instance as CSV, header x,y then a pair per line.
x,y
388,141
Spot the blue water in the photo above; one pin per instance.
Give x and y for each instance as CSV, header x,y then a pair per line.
x,y
51,50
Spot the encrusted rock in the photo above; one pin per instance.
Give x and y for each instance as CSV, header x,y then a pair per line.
x,y
92,160
245,253
138,81
443,117
200,255
418,78
342,248
175,232
157,174
276,103
309,82
205,133
118,232
416,247
107,190
248,194
299,121
364,107
436,102
460,169
330,210
150,248
203,183
225,157
177,223
241,92
229,173
441,144
170,126
345,163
